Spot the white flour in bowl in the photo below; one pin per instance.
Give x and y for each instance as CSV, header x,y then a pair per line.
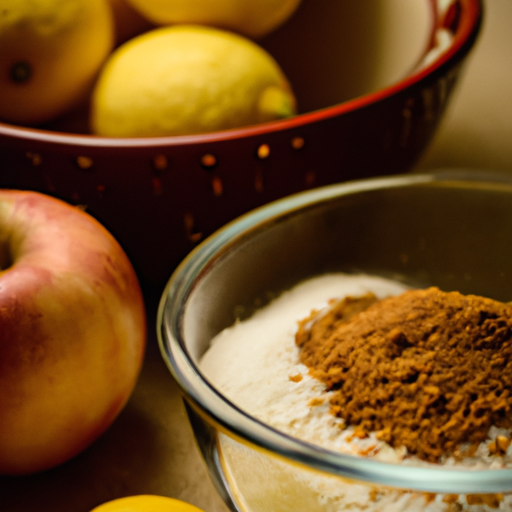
x,y
255,364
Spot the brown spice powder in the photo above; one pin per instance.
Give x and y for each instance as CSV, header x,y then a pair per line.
x,y
428,370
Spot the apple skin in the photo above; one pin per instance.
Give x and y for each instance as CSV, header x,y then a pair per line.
x,y
72,331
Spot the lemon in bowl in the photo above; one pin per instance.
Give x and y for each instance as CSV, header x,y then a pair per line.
x,y
188,79
50,53
254,18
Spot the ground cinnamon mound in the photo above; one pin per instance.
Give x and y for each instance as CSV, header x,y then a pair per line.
x,y
428,370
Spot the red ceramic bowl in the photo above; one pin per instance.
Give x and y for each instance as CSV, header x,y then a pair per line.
x,y
365,110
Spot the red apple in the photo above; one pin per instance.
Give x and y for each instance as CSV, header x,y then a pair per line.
x,y
72,331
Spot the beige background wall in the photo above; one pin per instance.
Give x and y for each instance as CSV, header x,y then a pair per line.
x,y
477,131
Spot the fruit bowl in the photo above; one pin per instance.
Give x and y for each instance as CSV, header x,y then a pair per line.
x,y
372,86
445,229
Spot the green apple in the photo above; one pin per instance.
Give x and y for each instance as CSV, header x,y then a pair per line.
x,y
72,331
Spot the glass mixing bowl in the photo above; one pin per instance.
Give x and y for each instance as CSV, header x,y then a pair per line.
x,y
450,229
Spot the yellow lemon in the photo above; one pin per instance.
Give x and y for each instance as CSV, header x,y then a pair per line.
x,y
50,53
253,18
146,503
185,80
